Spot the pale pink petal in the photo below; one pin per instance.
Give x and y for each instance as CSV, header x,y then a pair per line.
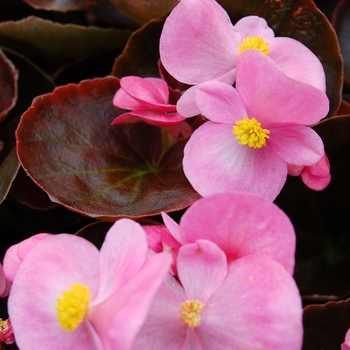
x,y
317,176
346,344
298,62
163,328
198,42
220,102
50,268
186,105
123,100
241,224
215,162
258,306
161,86
273,98
254,26
126,118
192,340
172,226
297,145
119,318
17,253
202,267
121,256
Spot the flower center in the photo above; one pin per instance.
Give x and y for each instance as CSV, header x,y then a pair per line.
x,y
73,306
249,132
254,43
190,312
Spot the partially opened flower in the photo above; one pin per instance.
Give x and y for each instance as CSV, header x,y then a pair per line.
x,y
68,295
251,303
211,46
147,100
255,131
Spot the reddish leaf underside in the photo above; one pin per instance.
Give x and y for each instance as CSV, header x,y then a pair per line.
x,y
66,144
8,86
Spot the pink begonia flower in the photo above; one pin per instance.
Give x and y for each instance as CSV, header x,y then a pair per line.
x,y
240,224
317,176
147,100
211,45
254,131
68,295
346,344
17,253
251,303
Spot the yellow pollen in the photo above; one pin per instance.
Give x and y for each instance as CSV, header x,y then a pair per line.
x,y
190,312
254,43
73,306
249,132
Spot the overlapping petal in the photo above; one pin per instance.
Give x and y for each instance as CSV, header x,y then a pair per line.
x,y
205,52
214,162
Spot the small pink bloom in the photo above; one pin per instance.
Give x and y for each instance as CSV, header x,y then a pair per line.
x,y
251,303
147,100
211,46
68,295
240,224
254,131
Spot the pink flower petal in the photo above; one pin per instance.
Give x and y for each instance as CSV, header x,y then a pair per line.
x,y
241,224
215,162
186,105
163,328
50,268
151,117
5,285
317,176
220,102
273,98
346,344
121,256
254,26
172,226
186,50
258,306
17,253
290,55
202,267
297,145
120,317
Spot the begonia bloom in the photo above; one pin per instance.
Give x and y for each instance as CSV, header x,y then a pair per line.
x,y
147,100
254,131
251,303
211,47
68,295
240,224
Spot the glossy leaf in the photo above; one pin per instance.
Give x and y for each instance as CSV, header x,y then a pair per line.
x,y
31,83
144,10
61,5
341,22
66,144
321,219
325,326
8,86
301,20
53,45
141,54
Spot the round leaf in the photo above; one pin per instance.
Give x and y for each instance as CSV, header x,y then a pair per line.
x,y
66,144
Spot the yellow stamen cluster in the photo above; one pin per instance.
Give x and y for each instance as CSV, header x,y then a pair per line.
x,y
190,312
249,132
254,43
73,306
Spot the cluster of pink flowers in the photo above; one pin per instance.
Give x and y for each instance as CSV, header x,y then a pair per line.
x,y
222,277
230,285
257,131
